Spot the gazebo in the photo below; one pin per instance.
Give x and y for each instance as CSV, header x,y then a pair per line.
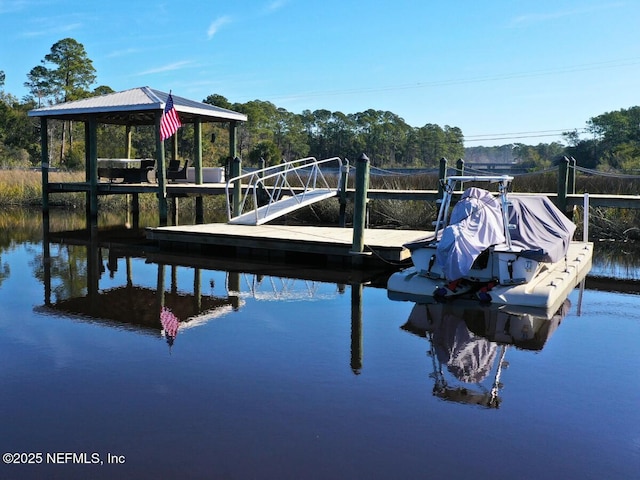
x,y
137,106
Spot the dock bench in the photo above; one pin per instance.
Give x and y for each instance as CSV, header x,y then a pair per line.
x,y
145,173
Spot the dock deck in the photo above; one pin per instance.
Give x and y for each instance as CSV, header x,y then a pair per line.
x,y
278,241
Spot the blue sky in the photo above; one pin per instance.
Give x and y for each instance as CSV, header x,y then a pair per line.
x,y
502,71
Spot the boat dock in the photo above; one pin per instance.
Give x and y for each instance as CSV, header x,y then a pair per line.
x,y
283,242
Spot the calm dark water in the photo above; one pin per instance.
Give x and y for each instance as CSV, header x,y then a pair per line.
x,y
287,377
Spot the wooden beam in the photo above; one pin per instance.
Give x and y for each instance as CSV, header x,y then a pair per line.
x,y
233,140
197,138
161,173
91,126
44,163
127,146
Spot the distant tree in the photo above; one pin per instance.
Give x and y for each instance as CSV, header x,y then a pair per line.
x,y
39,84
290,135
18,140
266,150
614,142
102,90
430,143
65,74
218,101
585,152
453,142
612,128
2,77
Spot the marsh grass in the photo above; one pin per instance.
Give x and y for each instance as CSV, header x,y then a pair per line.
x,y
23,188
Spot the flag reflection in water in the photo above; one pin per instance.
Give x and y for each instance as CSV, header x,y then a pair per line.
x,y
170,324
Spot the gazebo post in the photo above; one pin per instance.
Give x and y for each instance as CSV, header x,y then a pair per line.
x,y
197,139
160,289
91,132
162,181
127,145
174,146
131,201
233,139
197,290
44,166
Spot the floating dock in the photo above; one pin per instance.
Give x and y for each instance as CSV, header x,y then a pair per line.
x,y
334,244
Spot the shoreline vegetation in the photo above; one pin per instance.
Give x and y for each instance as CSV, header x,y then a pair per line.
x,y
23,189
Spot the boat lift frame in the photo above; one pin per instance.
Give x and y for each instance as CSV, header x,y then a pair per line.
x,y
449,186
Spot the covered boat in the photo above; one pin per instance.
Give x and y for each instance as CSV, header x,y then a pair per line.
x,y
516,249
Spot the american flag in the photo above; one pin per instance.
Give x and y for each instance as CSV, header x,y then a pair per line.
x,y
169,123
170,324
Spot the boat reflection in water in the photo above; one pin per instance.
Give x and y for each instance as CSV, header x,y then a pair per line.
x,y
469,341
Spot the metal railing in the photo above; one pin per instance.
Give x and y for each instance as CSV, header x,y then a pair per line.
x,y
261,190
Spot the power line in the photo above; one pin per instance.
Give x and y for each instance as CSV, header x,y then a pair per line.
x,y
519,135
461,81
555,131
508,138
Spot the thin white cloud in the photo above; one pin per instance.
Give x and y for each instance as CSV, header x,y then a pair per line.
x,y
217,24
53,30
543,17
123,53
11,6
166,68
275,5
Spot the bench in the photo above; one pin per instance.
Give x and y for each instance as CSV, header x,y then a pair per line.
x,y
145,173
175,172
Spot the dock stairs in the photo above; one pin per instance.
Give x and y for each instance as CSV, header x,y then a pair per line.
x,y
260,196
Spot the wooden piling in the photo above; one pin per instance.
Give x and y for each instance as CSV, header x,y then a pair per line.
x,y
563,175
44,164
236,169
197,137
442,176
460,171
360,203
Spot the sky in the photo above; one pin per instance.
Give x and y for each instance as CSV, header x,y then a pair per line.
x,y
502,71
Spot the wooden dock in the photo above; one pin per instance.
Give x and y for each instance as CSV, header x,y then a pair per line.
x,y
332,244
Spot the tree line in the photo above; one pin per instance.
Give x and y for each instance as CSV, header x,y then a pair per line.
x,y
274,134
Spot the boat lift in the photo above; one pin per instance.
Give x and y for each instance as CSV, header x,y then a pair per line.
x,y
274,191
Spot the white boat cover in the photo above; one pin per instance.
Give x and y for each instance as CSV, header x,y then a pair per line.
x,y
541,230
540,226
475,224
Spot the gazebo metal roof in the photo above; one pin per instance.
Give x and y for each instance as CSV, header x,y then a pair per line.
x,y
137,106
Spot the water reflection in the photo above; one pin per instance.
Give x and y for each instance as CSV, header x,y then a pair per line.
x,y
468,343
91,275
79,277
136,307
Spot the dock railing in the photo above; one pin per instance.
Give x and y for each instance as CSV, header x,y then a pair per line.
x,y
274,191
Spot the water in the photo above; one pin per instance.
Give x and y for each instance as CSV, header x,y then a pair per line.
x,y
290,377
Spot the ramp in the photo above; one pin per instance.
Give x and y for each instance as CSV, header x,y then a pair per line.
x,y
263,214
275,191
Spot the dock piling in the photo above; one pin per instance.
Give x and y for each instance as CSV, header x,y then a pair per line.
x,y
563,183
236,168
360,204
442,176
460,171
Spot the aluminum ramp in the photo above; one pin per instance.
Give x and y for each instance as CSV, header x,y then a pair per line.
x,y
281,207
279,190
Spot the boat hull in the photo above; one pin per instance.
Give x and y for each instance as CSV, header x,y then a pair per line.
x,y
549,287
